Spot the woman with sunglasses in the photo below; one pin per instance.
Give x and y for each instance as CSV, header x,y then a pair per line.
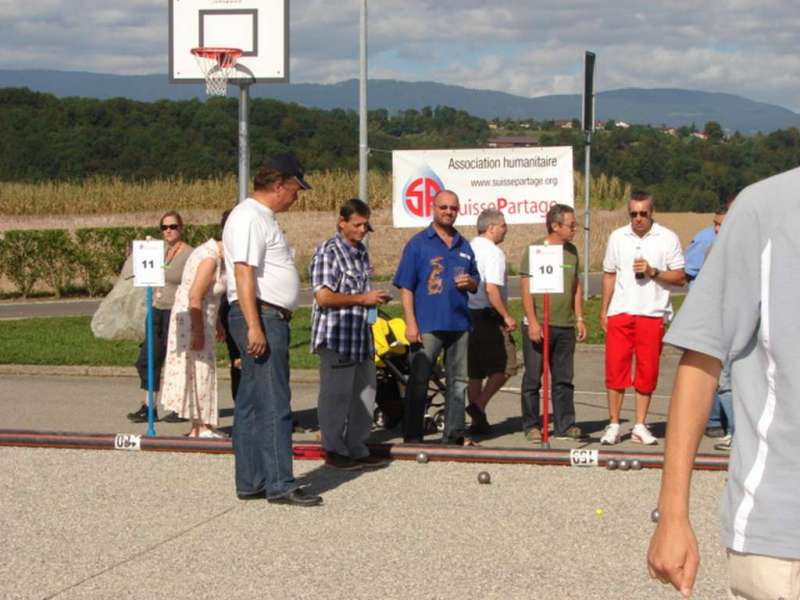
x,y
177,252
190,373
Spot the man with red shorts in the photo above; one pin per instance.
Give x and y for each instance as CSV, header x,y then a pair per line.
x,y
641,260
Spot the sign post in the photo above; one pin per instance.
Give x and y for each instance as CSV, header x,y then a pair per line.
x,y
546,267
148,271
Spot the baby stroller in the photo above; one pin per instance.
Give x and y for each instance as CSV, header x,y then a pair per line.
x,y
393,366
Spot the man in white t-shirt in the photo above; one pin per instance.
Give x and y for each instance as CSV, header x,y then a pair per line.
x,y
263,285
641,260
492,357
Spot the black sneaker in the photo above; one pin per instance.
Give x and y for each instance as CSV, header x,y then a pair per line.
x,y
372,462
480,424
297,497
140,416
341,462
172,417
715,432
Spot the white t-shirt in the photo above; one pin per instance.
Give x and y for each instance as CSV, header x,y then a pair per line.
x,y
661,248
491,262
252,236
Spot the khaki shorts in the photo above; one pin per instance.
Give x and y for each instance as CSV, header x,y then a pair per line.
x,y
491,347
757,577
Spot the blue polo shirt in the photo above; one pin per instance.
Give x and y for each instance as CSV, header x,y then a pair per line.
x,y
428,268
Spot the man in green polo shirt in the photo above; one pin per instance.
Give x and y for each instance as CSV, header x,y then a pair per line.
x,y
566,316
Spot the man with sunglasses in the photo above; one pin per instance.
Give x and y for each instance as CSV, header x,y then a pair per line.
x,y
642,259
263,291
566,327
436,271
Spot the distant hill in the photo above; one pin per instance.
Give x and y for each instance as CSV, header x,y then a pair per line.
x,y
671,107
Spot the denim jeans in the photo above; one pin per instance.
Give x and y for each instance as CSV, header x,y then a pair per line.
x,y
562,360
423,358
262,418
722,409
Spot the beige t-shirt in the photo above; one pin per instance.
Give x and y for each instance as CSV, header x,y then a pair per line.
x,y
164,298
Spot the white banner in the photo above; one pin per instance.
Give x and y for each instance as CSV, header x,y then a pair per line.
x,y
523,183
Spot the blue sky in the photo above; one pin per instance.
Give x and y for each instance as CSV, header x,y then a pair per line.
x,y
530,48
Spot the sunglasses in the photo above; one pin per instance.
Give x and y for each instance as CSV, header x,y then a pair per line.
x,y
642,213
446,208
172,226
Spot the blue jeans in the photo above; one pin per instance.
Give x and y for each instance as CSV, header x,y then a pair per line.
x,y
722,409
423,358
262,418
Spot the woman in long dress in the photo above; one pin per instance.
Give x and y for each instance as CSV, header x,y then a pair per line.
x,y
190,373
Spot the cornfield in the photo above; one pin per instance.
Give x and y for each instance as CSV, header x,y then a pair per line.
x,y
114,195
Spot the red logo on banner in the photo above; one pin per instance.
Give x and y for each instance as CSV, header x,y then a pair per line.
x,y
419,194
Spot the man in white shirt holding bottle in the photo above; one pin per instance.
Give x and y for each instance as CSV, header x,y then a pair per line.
x,y
641,260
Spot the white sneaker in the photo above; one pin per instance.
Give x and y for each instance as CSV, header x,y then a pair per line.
x,y
611,435
641,435
210,433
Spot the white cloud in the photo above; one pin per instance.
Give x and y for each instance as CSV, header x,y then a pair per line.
x,y
743,47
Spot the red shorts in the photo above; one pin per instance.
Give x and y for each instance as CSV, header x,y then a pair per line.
x,y
628,335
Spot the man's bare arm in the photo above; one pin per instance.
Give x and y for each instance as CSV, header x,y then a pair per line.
x,y
245,276
496,300
327,298
609,280
673,556
412,329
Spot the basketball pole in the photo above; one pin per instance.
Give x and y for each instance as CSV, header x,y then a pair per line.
x,y
244,140
363,149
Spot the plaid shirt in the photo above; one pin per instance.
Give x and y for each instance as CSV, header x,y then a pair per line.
x,y
343,269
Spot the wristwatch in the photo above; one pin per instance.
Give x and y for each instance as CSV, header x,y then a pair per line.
x,y
655,273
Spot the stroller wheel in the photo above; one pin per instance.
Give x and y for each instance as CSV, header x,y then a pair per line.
x,y
438,419
378,418
430,424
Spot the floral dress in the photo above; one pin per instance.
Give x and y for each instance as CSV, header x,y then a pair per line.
x,y
189,385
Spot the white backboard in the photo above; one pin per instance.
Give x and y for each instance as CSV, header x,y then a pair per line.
x,y
258,27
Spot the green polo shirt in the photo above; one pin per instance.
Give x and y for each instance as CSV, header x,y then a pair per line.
x,y
562,306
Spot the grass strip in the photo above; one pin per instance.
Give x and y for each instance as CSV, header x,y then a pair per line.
x,y
69,340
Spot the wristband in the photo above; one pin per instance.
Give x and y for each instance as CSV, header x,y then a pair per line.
x,y
579,319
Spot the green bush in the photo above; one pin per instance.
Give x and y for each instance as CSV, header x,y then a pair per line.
x,y
21,260
95,255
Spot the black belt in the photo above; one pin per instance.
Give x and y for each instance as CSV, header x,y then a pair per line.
x,y
484,313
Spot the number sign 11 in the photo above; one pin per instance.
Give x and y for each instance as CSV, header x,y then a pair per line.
x,y
546,269
148,263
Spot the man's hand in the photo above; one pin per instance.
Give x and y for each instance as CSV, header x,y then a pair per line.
x,y
581,327
509,323
640,265
256,341
534,332
374,297
673,556
413,335
465,282
604,321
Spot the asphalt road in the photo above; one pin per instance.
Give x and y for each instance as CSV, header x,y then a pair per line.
x,y
20,309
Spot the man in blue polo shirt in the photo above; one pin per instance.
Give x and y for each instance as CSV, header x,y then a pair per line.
x,y
435,273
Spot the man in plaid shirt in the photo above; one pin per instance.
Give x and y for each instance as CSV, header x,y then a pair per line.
x,y
341,335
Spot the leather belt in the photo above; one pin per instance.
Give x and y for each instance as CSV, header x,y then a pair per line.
x,y
285,313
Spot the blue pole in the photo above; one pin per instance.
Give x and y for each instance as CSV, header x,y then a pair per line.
x,y
151,430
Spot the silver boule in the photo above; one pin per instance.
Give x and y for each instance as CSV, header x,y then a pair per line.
x,y
624,465
484,477
422,458
636,465
611,464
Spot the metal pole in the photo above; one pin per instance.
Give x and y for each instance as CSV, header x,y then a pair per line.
x,y
244,140
363,150
151,430
587,174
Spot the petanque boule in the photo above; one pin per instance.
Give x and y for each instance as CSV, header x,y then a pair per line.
x,y
654,516
484,477
636,465
611,464
422,458
623,465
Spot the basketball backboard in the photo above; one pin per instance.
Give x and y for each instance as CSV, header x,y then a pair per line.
x,y
259,27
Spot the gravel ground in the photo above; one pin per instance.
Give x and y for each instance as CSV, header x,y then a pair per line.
x,y
90,524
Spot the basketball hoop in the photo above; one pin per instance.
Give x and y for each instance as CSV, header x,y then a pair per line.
x,y
217,64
